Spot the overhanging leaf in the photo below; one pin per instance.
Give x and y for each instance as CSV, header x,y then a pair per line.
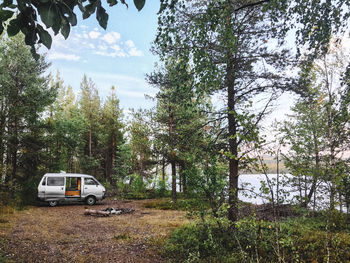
x,y
112,2
89,10
65,30
139,4
30,38
102,17
72,19
12,28
48,14
45,37
5,14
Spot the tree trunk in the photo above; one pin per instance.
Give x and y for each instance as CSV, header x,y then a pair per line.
x,y
316,175
173,181
163,168
2,142
183,177
180,178
233,146
172,161
90,141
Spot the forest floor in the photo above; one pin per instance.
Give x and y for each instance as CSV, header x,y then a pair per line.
x,y
65,234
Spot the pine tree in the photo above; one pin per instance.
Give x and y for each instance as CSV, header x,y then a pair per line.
x,y
90,107
113,138
25,94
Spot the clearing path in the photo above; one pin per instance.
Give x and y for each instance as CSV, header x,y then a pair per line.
x,y
65,234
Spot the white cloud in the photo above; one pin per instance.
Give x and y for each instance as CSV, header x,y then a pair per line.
x,y
102,47
69,57
92,46
120,54
130,43
134,52
112,54
111,37
94,34
116,47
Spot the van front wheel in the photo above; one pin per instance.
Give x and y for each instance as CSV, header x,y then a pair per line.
x,y
90,200
53,203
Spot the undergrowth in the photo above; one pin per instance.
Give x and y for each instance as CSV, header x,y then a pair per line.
x,y
194,204
251,240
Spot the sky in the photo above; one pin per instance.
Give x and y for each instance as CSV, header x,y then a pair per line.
x,y
119,56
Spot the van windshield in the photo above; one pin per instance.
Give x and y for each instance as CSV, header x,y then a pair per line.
x,y
90,181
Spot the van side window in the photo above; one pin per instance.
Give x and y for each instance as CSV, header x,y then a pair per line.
x,y
55,181
44,181
90,181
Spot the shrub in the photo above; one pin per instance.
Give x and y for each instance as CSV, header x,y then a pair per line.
x,y
299,240
161,189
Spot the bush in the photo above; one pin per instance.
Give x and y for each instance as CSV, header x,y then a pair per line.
x,y
136,189
161,189
299,240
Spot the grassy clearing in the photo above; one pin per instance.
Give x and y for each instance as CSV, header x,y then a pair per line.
x,y
64,233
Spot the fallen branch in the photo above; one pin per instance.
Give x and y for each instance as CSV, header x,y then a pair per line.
x,y
108,211
91,212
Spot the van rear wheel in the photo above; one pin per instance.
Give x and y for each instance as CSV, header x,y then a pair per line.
x,y
90,200
53,203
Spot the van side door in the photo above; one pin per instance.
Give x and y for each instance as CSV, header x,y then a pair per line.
x,y
55,187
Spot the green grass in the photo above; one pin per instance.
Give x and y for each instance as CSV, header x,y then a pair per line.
x,y
123,236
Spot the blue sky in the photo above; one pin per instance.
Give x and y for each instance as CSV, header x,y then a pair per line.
x,y
117,56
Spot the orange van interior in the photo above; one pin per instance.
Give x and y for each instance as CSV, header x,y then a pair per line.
x,y
73,186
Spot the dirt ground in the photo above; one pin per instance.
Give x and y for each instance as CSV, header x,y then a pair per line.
x,y
65,234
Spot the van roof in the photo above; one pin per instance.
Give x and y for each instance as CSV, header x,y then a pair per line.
x,y
68,174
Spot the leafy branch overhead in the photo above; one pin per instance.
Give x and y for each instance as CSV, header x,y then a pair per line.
x,y
59,15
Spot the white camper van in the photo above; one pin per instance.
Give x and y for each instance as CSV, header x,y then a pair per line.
x,y
65,187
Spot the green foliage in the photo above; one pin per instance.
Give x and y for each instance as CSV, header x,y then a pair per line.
x,y
137,188
315,131
25,95
188,204
123,236
161,189
59,16
140,143
300,240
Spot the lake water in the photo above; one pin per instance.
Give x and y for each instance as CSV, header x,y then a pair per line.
x,y
253,183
